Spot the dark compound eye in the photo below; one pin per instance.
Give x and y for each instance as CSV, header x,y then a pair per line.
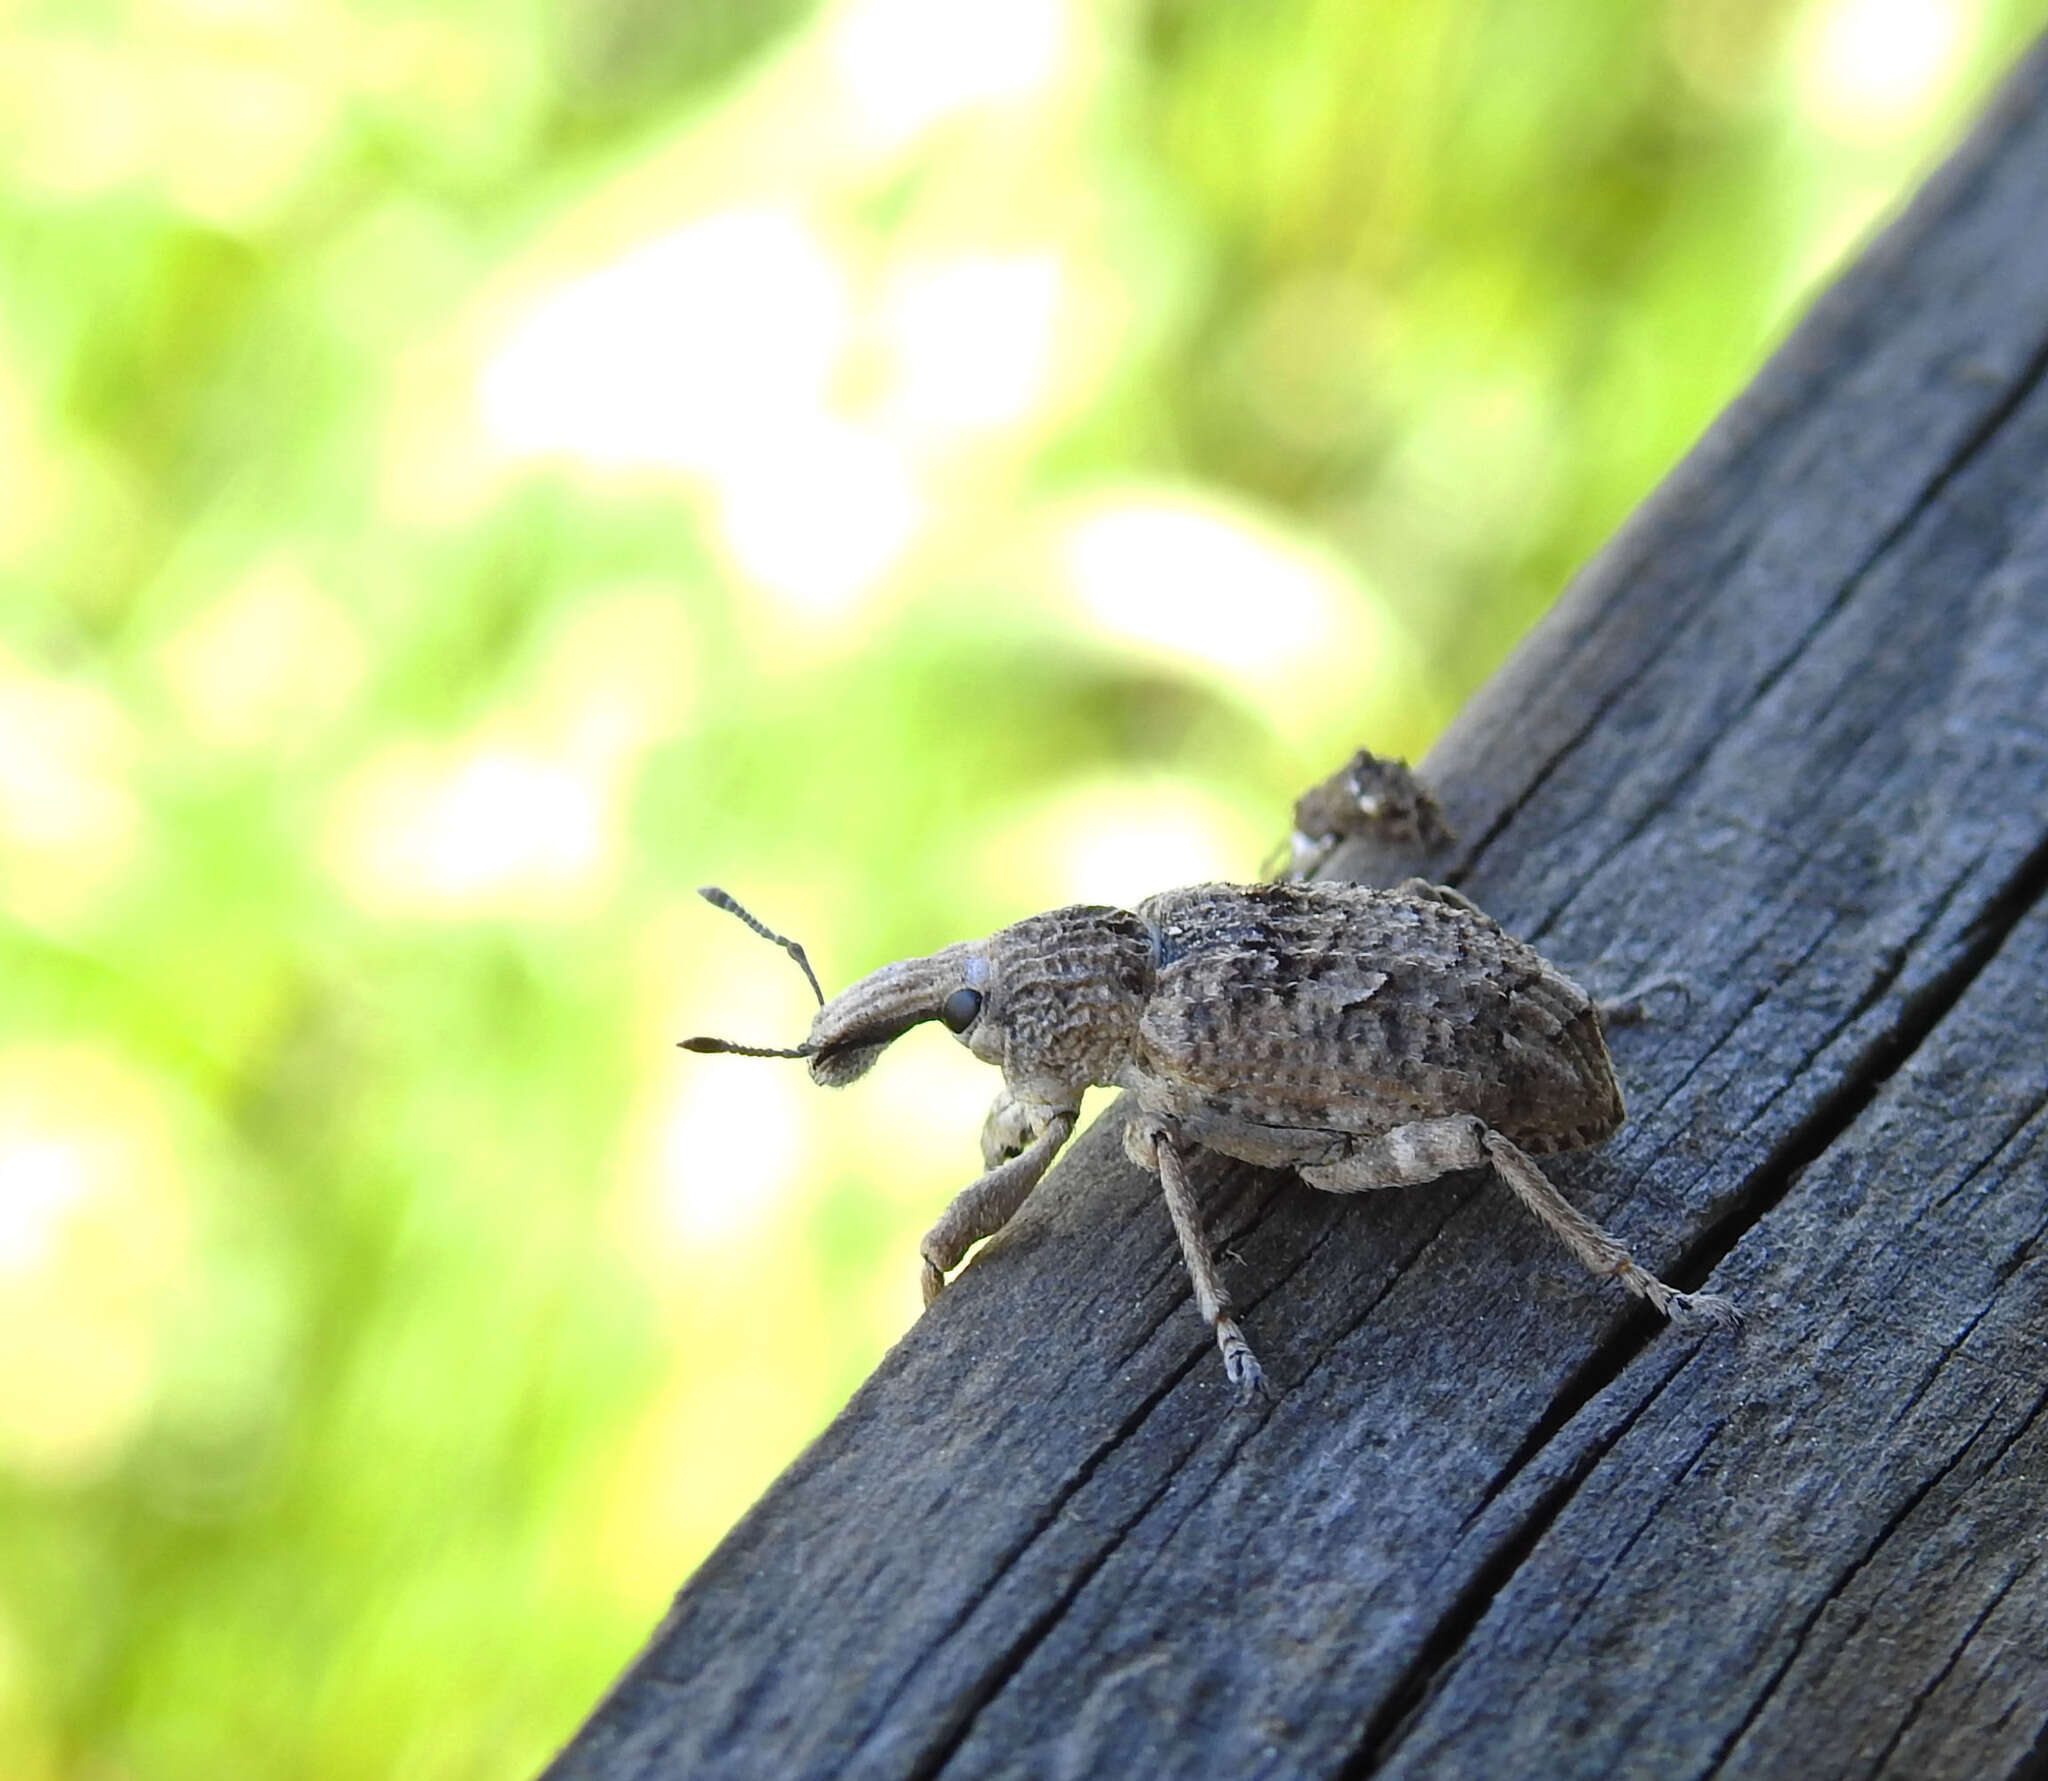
x,y
959,1009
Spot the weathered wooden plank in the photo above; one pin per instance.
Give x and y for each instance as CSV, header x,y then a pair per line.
x,y
1788,737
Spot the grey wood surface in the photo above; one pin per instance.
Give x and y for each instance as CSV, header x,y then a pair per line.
x,y
1788,737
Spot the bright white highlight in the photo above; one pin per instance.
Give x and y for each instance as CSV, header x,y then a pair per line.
x,y
95,1241
733,1149
1127,858
1194,583
972,339
822,517
1208,585
523,817
694,352
713,351
41,1181
909,63
1112,841
494,826
503,819
1870,63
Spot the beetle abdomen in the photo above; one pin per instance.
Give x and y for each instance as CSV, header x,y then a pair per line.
x,y
1338,1008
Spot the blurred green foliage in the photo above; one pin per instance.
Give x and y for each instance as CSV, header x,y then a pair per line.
x,y
469,473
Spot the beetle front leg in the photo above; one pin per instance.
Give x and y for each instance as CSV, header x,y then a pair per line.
x,y
983,1207
1009,1129
1428,1148
1154,1144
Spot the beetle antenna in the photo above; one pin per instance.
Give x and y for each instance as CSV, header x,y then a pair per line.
x,y
739,1050
719,899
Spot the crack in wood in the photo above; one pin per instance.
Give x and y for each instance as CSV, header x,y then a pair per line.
x,y
1918,1704
1890,1526
1121,1434
2028,378
1879,1060
960,1721
1411,1689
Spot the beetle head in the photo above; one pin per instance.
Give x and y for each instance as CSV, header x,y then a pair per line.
x,y
1371,796
1053,1001
1062,995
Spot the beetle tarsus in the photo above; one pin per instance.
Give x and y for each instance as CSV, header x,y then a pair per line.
x,y
1154,1144
1704,1310
1240,1365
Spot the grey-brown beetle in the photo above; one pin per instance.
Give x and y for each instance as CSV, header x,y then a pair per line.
x,y
1364,1038
1374,798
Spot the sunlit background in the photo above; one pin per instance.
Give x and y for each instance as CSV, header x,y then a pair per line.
x,y
471,472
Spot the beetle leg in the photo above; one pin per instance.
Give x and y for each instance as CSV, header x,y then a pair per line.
x,y
1420,1152
1439,893
1008,1130
983,1207
1154,1144
1632,1006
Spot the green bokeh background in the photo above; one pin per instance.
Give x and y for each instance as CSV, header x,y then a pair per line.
x,y
470,473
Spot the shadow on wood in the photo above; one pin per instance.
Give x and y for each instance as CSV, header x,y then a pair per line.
x,y
1787,737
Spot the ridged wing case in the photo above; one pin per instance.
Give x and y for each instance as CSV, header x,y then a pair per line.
x,y
1334,1008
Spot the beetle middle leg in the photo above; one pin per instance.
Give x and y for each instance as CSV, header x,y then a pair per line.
x,y
983,1207
1154,1144
1428,1148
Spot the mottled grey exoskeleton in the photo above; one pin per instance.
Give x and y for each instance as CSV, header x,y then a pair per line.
x,y
1373,797
1364,1038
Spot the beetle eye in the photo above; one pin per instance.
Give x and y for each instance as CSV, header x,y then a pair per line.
x,y
959,1009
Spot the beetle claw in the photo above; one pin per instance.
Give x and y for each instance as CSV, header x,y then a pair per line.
x,y
1240,1364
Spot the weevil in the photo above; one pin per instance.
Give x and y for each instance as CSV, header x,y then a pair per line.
x,y
1371,797
1364,1038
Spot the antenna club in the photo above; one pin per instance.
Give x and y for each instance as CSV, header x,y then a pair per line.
x,y
732,1047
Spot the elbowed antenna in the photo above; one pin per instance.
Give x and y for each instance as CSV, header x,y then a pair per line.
x,y
719,899
730,904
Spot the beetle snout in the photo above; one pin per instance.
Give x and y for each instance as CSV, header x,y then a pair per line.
x,y
853,1029
837,1065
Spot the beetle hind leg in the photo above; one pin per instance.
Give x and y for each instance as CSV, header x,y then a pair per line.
x,y
1601,1253
1153,1144
1419,1152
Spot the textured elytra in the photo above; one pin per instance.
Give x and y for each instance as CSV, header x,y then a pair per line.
x,y
1298,1010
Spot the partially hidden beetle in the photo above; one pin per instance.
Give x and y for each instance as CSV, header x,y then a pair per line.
x,y
1372,798
1364,1038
